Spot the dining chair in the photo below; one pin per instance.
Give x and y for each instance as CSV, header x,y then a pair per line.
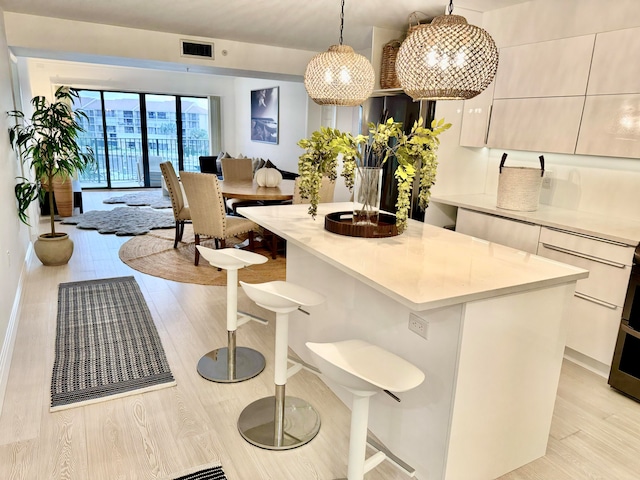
x,y
237,170
208,212
181,211
327,187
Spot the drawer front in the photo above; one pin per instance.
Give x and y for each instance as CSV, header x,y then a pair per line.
x,y
591,246
593,329
606,282
512,233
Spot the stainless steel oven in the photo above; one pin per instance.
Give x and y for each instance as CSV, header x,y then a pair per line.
x,y
625,367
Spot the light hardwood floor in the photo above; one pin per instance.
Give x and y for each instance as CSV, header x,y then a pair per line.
x,y
595,432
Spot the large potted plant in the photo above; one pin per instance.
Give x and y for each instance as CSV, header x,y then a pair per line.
x,y
415,152
47,143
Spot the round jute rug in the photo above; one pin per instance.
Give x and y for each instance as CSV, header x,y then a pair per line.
x,y
154,255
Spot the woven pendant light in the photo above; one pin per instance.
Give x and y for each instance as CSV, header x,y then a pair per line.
x,y
447,59
339,76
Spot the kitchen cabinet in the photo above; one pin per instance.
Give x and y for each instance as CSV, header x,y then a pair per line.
x,y
545,69
614,69
598,301
536,124
610,126
512,233
475,119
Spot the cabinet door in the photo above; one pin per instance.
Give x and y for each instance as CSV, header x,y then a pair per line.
x,y
475,119
536,124
610,126
615,68
512,233
545,69
593,329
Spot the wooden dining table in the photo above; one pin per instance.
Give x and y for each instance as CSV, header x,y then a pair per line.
x,y
245,190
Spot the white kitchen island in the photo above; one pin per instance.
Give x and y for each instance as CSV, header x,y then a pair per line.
x,y
495,331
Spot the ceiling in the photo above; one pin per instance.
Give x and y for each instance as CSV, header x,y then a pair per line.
x,y
303,24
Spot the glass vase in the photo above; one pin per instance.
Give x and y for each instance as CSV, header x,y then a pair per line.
x,y
366,195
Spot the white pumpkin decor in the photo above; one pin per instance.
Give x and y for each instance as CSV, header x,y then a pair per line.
x,y
268,177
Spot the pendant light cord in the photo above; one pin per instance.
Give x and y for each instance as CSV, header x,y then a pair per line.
x,y
450,7
341,21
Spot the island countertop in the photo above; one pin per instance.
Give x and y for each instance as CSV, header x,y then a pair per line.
x,y
426,267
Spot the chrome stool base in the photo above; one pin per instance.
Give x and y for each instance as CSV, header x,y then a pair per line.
x,y
214,365
257,423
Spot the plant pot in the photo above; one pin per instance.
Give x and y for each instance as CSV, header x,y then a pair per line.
x,y
53,251
63,191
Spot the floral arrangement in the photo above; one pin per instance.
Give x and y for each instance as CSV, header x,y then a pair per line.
x,y
415,152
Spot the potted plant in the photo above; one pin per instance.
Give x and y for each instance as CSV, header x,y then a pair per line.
x,y
415,152
48,143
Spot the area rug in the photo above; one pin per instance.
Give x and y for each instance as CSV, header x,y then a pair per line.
x,y
210,473
154,254
154,199
123,221
107,345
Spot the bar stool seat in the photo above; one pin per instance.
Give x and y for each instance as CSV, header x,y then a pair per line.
x,y
364,369
279,422
232,364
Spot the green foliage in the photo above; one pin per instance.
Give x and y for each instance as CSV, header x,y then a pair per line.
x,y
47,144
415,152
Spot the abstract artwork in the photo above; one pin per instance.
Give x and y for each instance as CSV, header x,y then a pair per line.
x,y
264,115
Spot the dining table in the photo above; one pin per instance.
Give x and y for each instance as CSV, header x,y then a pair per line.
x,y
250,190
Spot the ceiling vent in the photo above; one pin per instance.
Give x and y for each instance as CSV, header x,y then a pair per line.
x,y
193,49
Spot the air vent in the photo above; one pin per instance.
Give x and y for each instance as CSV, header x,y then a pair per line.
x,y
192,49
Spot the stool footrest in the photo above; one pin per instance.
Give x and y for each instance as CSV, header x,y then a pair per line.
x,y
244,317
388,455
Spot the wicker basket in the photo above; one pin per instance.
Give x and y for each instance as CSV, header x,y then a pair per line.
x,y
388,77
416,21
519,187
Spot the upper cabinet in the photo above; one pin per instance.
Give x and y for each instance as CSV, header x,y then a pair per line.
x,y
556,68
576,95
615,68
475,119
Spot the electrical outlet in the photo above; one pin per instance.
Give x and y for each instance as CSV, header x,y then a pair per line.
x,y
418,325
547,179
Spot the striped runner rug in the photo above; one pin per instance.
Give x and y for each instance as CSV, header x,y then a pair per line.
x,y
210,473
107,345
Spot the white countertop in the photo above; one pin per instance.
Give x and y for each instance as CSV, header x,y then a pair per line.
x,y
608,227
425,267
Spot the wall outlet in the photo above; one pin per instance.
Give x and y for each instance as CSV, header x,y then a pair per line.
x,y
418,325
547,179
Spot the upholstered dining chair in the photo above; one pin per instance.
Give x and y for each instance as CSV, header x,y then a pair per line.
x,y
180,209
237,170
208,212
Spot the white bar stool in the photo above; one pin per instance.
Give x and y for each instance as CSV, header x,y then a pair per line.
x,y
364,369
280,422
232,364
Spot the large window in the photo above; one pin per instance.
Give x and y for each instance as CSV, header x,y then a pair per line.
x,y
131,133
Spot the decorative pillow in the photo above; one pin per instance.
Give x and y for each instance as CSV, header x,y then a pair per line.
x,y
285,175
221,155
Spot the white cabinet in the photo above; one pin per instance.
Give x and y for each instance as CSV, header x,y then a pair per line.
x,y
545,69
536,124
512,233
615,68
611,126
475,119
597,306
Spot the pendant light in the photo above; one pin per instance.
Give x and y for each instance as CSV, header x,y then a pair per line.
x,y
339,76
447,59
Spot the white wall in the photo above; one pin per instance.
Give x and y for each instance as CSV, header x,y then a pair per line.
x,y
14,240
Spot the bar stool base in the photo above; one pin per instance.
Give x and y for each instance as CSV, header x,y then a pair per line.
x,y
214,366
257,426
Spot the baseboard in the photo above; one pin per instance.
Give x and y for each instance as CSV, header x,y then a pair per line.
x,y
589,363
6,352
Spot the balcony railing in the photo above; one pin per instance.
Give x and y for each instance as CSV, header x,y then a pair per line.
x,y
125,159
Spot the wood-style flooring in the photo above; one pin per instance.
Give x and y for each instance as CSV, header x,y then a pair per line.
x,y
595,432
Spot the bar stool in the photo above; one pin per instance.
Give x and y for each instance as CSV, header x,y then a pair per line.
x,y
280,422
232,364
364,369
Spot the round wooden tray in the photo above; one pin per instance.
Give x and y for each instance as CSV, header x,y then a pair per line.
x,y
342,224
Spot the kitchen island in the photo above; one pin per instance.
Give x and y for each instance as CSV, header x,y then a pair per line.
x,y
492,323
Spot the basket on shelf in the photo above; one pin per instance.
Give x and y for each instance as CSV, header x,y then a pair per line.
x,y
416,21
519,187
388,77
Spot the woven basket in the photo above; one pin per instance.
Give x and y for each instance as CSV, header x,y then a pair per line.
x,y
388,77
415,21
519,187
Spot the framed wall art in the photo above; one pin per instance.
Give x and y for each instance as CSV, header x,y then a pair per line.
x,y
264,115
